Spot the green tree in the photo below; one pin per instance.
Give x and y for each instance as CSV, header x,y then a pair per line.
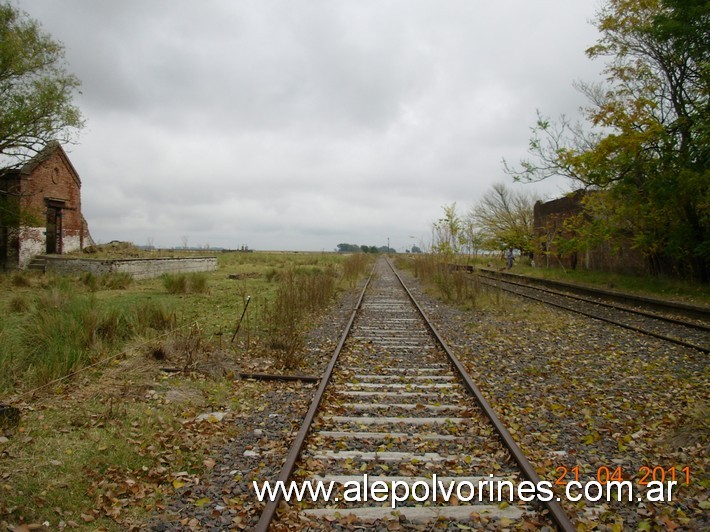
x,y
649,141
348,248
472,236
35,89
448,232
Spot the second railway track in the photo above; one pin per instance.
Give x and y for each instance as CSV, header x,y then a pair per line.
x,y
693,333
396,410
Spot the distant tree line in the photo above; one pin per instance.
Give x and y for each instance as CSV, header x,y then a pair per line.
x,y
355,248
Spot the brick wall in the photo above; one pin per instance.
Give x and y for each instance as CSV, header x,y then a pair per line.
x,y
54,178
612,256
548,221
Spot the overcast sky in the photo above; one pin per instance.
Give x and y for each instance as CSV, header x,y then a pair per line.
x,y
301,124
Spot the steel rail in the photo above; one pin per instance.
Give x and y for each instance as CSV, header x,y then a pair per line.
x,y
690,324
272,505
634,328
556,512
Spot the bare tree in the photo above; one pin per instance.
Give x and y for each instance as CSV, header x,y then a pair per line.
x,y
505,218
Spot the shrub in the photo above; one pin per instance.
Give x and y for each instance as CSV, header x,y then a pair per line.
x,y
20,280
175,284
116,281
19,304
193,283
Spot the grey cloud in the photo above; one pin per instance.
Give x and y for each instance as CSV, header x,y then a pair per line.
x,y
301,124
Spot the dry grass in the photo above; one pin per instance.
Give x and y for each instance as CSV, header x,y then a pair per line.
x,y
440,271
20,280
300,292
116,432
19,303
355,266
107,281
693,430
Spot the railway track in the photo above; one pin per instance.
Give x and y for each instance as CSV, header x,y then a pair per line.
x,y
396,418
671,324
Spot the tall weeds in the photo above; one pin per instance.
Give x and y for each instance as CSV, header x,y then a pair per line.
x,y
20,279
293,292
300,292
354,267
453,284
58,337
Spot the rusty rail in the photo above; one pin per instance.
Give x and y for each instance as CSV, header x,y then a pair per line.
x,y
594,315
689,310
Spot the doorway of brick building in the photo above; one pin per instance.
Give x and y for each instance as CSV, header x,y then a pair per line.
x,y
54,229
4,237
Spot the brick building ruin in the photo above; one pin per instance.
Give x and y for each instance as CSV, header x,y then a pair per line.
x,y
550,229
42,209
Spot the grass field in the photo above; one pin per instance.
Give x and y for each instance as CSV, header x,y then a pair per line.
x,y
103,431
55,325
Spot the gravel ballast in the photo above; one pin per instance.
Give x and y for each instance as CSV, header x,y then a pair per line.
x,y
577,392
